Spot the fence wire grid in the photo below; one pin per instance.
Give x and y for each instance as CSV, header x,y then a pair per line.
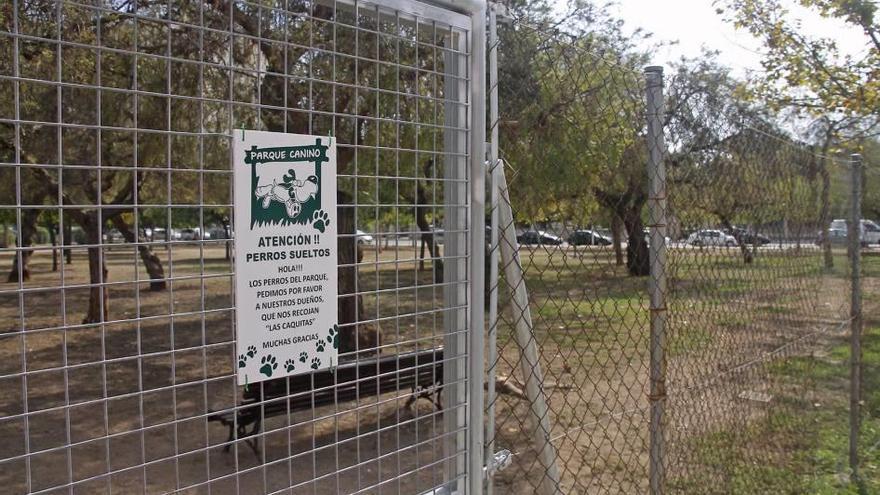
x,y
666,266
117,342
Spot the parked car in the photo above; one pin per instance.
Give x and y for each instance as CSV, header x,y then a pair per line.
x,y
744,236
537,238
160,235
363,237
586,237
113,236
836,236
193,234
215,232
869,233
647,233
708,237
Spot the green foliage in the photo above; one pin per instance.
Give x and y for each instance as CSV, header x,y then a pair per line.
x,y
812,72
571,113
871,180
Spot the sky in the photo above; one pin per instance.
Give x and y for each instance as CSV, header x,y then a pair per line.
x,y
694,23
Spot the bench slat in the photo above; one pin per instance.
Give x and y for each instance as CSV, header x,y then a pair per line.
x,y
347,382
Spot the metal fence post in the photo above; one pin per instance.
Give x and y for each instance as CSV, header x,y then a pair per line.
x,y
657,283
477,273
530,366
455,268
854,235
494,164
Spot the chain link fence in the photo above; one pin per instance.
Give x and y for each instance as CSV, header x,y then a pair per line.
x,y
572,312
753,291
669,274
673,266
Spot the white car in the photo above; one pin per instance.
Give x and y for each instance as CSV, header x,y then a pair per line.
x,y
711,238
869,233
192,234
363,237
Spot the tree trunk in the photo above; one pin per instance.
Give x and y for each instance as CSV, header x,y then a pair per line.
x,y
616,239
423,242
54,241
637,261
436,262
227,231
352,335
26,237
66,241
747,254
427,235
99,301
151,262
786,229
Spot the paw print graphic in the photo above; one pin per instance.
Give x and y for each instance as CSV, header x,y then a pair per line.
x,y
269,365
315,363
333,337
252,351
319,346
289,365
303,356
242,360
320,220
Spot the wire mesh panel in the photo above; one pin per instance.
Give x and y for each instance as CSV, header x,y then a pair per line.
x,y
573,256
758,285
672,263
117,342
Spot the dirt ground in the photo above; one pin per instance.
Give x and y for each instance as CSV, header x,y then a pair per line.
x,y
123,407
728,324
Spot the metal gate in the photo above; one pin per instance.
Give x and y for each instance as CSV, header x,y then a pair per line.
x,y
117,346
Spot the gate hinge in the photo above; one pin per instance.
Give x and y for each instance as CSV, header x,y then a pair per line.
x,y
501,460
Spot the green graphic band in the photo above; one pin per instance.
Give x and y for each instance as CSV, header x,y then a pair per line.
x,y
290,199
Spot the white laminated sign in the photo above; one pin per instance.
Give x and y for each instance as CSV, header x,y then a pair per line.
x,y
285,254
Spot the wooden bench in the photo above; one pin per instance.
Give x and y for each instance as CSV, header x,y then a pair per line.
x,y
420,371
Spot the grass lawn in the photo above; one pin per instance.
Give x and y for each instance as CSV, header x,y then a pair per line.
x,y
591,325
801,444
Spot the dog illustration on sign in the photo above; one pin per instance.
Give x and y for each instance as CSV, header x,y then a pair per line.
x,y
286,185
291,192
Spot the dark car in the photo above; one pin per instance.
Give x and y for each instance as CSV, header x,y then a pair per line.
x,y
537,238
587,237
744,236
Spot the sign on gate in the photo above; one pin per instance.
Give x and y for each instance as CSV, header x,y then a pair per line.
x,y
285,254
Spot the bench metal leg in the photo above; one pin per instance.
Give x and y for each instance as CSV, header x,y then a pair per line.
x,y
254,441
432,395
231,437
254,444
